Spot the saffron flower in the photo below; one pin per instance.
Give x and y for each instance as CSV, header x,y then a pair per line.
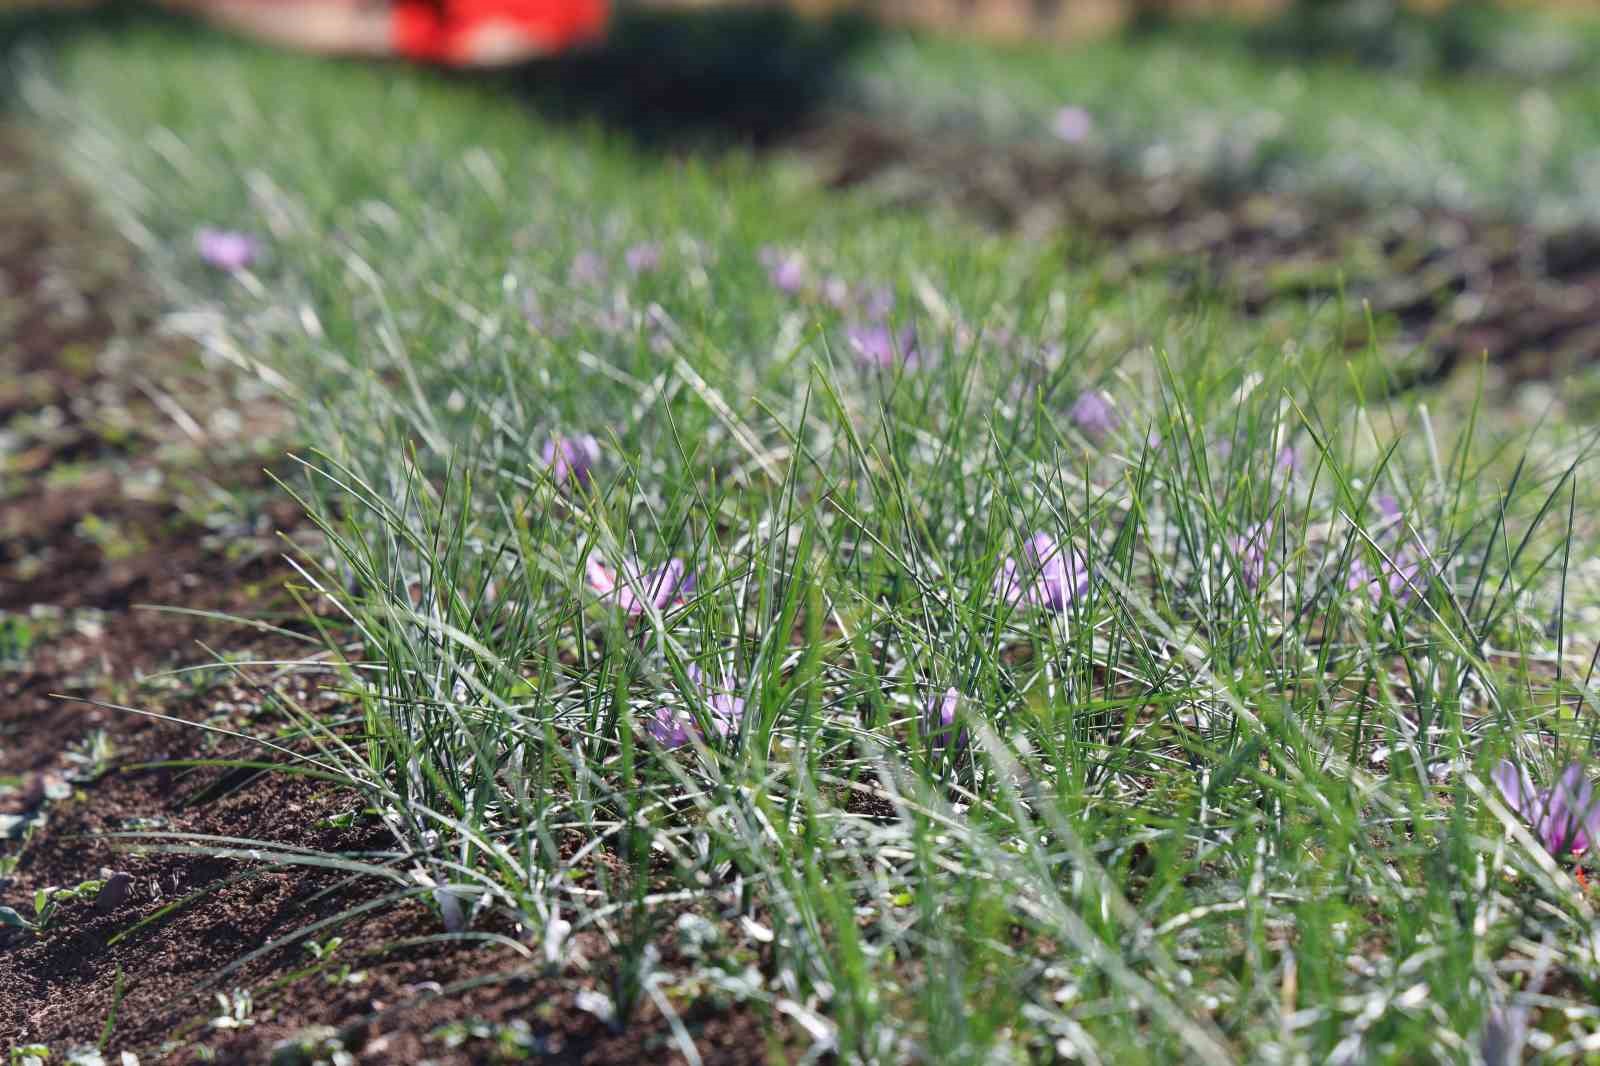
x,y
877,346
643,258
1094,414
1564,818
635,590
1045,575
726,709
786,270
877,301
1253,550
586,269
1397,576
939,722
672,727
227,250
571,457
1072,124
836,293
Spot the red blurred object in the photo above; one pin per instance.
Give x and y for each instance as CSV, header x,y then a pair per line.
x,y
468,32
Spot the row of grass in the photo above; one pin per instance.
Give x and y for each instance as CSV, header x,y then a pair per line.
x,y
1224,800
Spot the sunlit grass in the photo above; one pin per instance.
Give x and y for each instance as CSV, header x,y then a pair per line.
x,y
1228,801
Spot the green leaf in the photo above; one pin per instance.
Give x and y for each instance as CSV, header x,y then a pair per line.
x,y
13,919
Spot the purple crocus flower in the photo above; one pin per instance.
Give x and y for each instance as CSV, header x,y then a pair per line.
x,y
727,710
1253,549
643,258
1564,818
1072,124
227,250
876,302
633,589
836,293
1397,575
939,721
878,346
571,457
587,269
1289,460
673,727
1045,575
786,270
670,727
1093,413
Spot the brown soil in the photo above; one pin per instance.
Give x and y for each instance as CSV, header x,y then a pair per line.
x,y
116,446
1457,286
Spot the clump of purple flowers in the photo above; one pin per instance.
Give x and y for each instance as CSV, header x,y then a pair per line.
x,y
1045,575
1094,413
635,589
227,250
878,346
673,727
571,458
1565,817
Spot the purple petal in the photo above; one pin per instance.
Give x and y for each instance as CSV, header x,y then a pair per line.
x,y
1046,576
587,269
643,258
939,719
1516,787
226,249
1094,413
571,457
786,270
1072,124
877,346
669,728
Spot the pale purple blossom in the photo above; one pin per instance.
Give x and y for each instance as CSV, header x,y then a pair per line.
x,y
673,727
635,590
876,302
1397,575
1044,575
1564,818
587,269
1289,459
227,250
1094,413
939,722
785,269
836,293
1253,550
643,258
571,457
878,346
726,709
1072,124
